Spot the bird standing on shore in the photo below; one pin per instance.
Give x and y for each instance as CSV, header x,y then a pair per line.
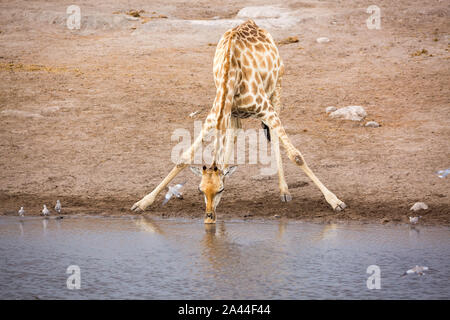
x,y
174,191
58,207
21,212
414,220
45,211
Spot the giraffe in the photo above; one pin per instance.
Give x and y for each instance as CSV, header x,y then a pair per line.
x,y
247,74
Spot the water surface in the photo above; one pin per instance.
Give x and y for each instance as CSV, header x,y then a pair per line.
x,y
143,258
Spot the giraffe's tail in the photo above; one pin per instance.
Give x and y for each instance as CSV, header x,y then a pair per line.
x,y
266,130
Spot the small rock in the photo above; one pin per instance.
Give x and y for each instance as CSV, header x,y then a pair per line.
x,y
330,109
131,18
372,124
419,206
135,13
354,113
385,220
288,40
322,40
419,53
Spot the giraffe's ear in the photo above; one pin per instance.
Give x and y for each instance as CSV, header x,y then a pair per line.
x,y
196,170
229,171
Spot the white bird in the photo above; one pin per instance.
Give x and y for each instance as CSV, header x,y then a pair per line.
x,y
58,206
174,191
45,211
417,269
414,220
193,114
443,173
322,40
21,212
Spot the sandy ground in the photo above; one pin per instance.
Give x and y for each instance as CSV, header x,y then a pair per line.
x,y
87,115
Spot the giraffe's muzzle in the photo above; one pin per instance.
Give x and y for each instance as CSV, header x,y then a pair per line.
x,y
210,217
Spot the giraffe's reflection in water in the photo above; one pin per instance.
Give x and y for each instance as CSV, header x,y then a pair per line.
x,y
230,258
147,257
235,261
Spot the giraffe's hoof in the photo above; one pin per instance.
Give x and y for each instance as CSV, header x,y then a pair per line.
x,y
137,207
340,207
286,197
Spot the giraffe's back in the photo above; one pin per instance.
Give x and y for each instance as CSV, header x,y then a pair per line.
x,y
255,61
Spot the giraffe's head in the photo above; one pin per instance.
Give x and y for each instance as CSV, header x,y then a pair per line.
x,y
212,186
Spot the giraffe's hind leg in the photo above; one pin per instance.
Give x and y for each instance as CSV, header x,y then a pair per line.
x,y
270,118
285,196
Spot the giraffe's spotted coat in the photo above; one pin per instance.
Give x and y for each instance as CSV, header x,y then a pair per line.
x,y
254,69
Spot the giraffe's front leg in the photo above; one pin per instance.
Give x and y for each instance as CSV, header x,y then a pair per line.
x,y
148,200
186,159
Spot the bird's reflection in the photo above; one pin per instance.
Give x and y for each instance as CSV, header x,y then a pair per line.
x,y
413,230
45,224
58,223
21,227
